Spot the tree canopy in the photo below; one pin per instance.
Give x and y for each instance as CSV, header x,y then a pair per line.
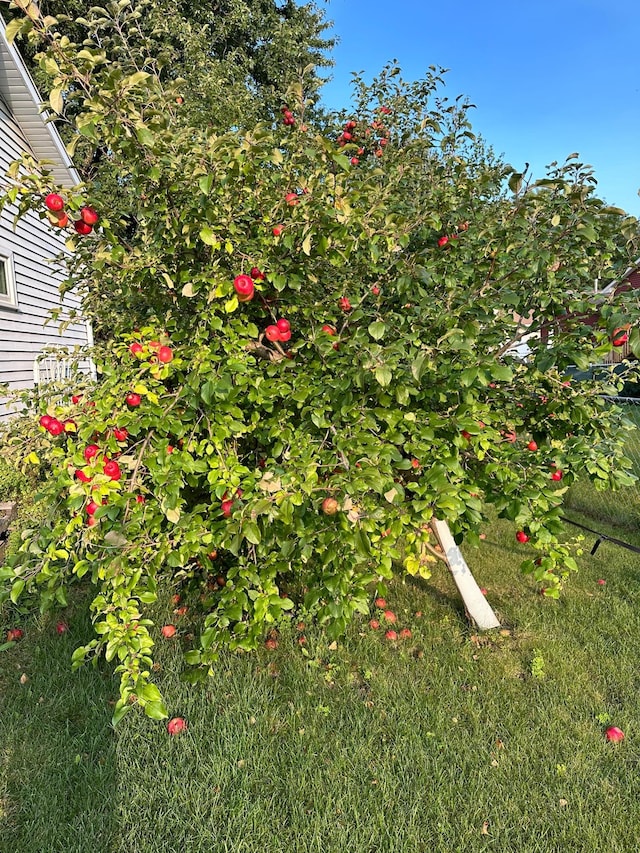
x,y
312,351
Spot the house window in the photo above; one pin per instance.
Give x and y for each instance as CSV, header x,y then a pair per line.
x,y
7,281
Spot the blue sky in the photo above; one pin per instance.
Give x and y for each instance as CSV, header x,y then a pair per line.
x,y
547,78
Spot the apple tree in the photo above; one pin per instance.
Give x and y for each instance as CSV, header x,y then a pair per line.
x,y
316,347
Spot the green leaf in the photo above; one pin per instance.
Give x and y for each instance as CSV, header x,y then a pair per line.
x,y
120,710
150,693
207,236
251,532
501,372
156,710
377,330
16,590
383,375
145,136
205,183
13,28
56,100
515,182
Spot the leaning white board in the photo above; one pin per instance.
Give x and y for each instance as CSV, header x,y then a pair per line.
x,y
475,603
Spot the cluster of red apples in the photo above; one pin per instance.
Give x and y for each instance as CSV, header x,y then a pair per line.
x,y
390,618
365,139
60,218
154,351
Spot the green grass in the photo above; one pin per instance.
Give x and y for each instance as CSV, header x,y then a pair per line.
x,y
369,747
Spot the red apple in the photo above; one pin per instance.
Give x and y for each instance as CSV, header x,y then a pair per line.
x,y
292,199
405,633
257,274
380,602
614,734
55,427
54,202
390,634
165,355
244,287
522,537
176,725
329,330
133,400
283,325
375,290
329,506
84,478
601,582
112,469
390,616
61,627
272,333
442,241
532,446
91,508
61,220
277,230
14,634
90,451
82,227
227,508
284,337
415,463
354,161
168,631
89,216
466,435
619,337
373,623
120,434
344,304
557,476
45,421
75,399
271,644
92,521
140,499
135,348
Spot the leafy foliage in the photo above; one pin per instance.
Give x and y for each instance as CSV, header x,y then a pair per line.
x,y
401,393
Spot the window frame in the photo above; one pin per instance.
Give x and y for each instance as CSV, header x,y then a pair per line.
x,y
9,299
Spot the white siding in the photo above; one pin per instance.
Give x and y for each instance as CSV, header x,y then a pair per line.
x,y
23,333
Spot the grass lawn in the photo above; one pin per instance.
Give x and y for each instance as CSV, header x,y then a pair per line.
x,y
447,741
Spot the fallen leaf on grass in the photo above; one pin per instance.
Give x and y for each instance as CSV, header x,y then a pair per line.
x,y
485,828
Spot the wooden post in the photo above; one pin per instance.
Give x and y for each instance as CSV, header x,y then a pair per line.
x,y
475,603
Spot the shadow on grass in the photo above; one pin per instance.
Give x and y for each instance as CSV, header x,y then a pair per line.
x,y
57,754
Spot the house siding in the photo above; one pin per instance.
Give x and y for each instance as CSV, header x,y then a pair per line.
x,y
23,330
